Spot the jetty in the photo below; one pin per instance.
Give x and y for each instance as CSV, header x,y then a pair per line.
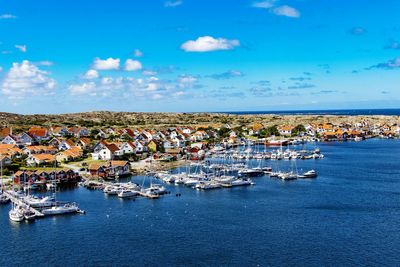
x,y
20,202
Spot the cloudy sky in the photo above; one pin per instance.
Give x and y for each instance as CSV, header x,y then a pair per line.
x,y
198,55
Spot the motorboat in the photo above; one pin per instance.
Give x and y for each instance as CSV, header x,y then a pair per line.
x,y
208,185
274,174
126,193
288,176
28,214
191,182
309,174
111,190
267,170
38,202
157,188
241,182
16,214
61,209
253,172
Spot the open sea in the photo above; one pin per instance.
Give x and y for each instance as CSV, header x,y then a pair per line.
x,y
337,112
348,216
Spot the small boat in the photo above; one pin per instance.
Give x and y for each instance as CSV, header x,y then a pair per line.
x,y
288,176
208,185
61,209
16,214
159,189
38,202
266,170
191,182
111,190
151,192
126,193
274,174
309,174
241,182
254,172
29,215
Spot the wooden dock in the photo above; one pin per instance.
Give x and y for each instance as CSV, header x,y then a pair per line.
x,y
22,203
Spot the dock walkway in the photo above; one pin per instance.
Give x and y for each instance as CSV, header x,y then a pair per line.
x,y
22,203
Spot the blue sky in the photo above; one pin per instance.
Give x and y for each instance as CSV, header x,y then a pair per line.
x,y
191,55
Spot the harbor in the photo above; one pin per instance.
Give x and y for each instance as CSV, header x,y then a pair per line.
x,y
222,168
326,210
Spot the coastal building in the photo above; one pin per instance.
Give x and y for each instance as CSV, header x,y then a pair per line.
x,y
40,159
104,151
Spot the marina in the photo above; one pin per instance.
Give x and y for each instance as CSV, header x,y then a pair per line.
x,y
223,167
323,211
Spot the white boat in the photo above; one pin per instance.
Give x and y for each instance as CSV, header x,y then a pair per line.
x,y
179,180
126,193
161,190
111,190
288,176
267,170
309,174
208,185
16,214
169,178
61,209
241,182
191,182
131,186
28,214
274,174
38,202
151,192
224,179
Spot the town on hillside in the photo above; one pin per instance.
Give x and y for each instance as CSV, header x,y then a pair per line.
x,y
62,152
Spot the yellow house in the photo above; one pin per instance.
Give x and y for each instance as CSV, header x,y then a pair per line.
x,y
152,146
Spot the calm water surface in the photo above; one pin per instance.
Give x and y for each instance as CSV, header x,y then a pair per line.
x,y
349,215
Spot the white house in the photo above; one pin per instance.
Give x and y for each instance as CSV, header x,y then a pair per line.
x,y
104,151
11,140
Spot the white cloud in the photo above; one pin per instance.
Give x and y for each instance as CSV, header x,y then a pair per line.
x,y
44,63
91,74
264,4
1,69
173,3
137,53
7,16
132,65
208,43
84,88
149,72
26,79
187,79
21,48
106,64
286,11
188,82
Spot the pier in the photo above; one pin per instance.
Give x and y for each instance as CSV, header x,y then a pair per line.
x,y
22,203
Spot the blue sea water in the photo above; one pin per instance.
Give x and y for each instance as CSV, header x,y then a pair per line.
x,y
349,215
338,112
